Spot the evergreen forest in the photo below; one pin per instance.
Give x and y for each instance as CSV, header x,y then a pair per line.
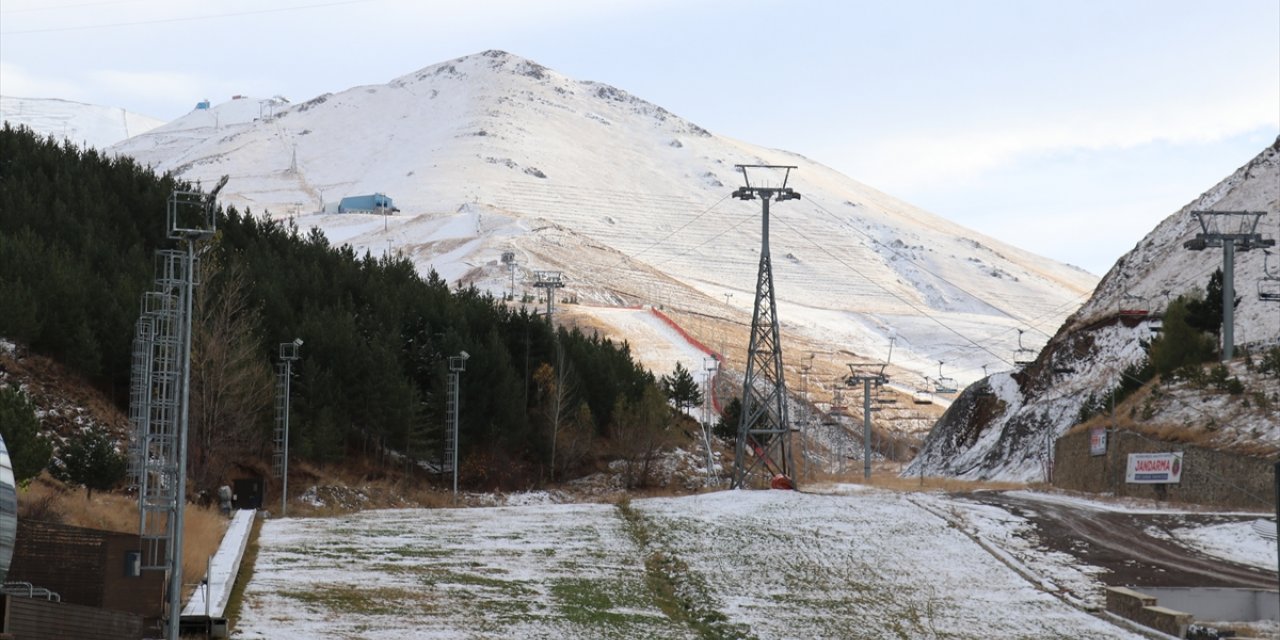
x,y
78,236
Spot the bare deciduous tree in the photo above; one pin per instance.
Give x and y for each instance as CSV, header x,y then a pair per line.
x,y
231,383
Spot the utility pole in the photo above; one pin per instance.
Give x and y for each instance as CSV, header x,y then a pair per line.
x,y
1230,230
866,379
764,425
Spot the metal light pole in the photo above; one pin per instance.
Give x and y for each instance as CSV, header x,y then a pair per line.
x,y
457,364
288,353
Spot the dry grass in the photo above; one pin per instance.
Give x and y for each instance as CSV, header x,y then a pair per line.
x,y
48,500
359,484
889,479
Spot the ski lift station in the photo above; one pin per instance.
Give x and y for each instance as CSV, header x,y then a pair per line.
x,y
372,203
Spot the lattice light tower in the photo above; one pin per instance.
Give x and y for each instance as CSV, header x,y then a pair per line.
x,y
764,425
284,381
1230,230
162,358
457,364
551,281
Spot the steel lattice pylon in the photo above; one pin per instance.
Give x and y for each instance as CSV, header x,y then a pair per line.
x,y
764,426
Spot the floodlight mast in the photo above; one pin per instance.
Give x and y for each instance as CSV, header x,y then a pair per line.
x,y
764,425
457,364
1216,231
191,230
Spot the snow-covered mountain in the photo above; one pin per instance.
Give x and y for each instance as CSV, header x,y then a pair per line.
x,y
491,153
88,125
1001,427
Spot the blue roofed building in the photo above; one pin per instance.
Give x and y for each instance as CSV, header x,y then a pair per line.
x,y
372,203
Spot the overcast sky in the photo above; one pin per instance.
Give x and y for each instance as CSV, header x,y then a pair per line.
x,y
1069,128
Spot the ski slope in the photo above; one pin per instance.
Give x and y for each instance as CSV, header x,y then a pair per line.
x,y
851,563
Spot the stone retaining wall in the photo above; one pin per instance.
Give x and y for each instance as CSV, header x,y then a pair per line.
x,y
1208,476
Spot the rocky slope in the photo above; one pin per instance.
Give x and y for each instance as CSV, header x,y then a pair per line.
x,y
1002,427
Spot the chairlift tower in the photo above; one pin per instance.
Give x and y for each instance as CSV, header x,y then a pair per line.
x,y
866,378
764,424
1230,230
551,281
509,259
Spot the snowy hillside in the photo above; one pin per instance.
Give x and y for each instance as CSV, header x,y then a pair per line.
x,y
1003,427
491,153
83,124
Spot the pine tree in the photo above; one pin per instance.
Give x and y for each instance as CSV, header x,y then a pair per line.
x,y
91,460
1205,313
28,452
682,389
727,427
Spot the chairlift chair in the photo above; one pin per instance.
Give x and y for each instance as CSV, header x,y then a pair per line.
x,y
1133,306
1269,285
944,384
1023,356
922,395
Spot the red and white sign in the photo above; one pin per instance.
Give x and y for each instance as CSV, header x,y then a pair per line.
x,y
1154,468
1098,441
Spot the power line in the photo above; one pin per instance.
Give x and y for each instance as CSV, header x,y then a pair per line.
x,y
892,293
66,6
920,266
183,19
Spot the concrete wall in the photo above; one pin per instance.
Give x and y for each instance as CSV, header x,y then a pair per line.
x,y
1142,609
1208,476
1212,603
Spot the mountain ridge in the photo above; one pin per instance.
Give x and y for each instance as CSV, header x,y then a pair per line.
x,y
491,152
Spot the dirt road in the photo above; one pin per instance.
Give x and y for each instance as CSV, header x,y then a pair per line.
x,y
1120,542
